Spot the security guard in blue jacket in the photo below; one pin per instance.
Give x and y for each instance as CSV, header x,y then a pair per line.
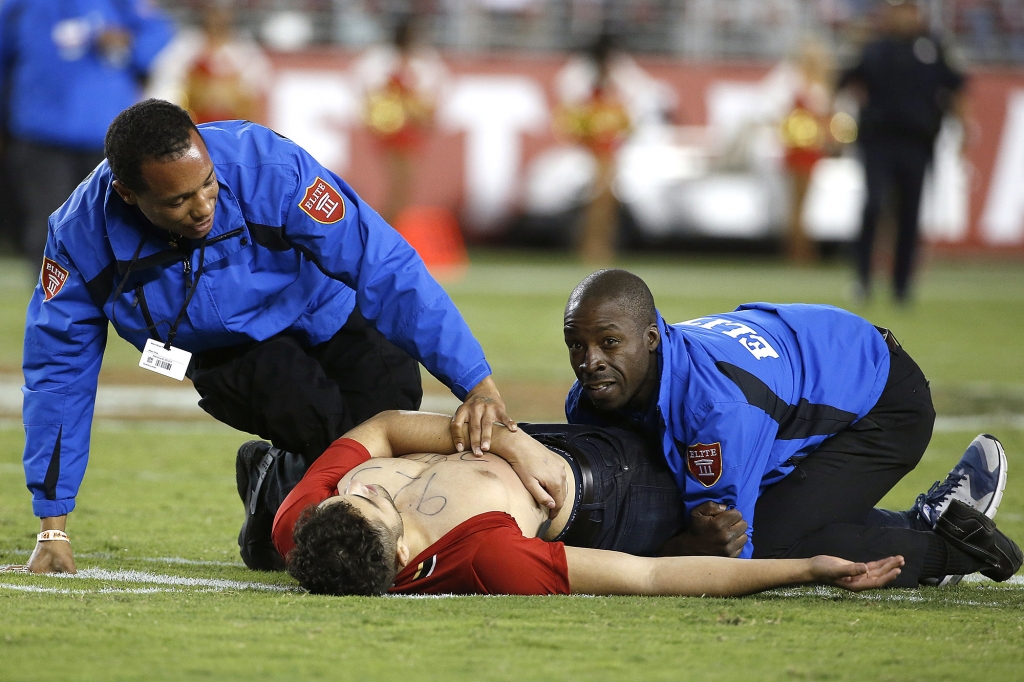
x,y
228,253
67,67
795,420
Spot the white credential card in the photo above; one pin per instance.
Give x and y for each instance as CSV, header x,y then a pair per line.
x,y
170,362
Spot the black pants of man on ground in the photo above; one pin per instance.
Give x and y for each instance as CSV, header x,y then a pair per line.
x,y
827,504
303,399
893,168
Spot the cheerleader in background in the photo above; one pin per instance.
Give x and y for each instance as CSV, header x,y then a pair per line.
x,y
806,136
400,84
593,114
215,72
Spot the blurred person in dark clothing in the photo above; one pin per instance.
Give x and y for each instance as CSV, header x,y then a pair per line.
x,y
906,87
67,68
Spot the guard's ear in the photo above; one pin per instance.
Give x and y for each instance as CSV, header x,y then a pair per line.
x,y
653,338
402,553
127,195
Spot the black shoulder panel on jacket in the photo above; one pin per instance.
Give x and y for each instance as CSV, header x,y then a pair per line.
x,y
101,286
803,420
268,237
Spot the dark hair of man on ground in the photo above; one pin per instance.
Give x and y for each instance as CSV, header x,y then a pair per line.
x,y
152,129
338,551
617,285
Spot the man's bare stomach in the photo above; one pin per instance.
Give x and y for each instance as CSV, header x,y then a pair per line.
x,y
443,491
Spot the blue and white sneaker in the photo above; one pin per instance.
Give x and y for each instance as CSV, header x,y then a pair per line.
x,y
977,480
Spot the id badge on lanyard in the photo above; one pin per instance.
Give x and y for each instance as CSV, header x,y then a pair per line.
x,y
171,362
157,356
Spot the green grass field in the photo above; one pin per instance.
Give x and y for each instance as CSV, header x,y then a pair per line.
x,y
162,594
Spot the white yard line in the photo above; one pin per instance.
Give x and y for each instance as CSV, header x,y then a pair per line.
x,y
105,590
174,402
133,577
980,423
145,577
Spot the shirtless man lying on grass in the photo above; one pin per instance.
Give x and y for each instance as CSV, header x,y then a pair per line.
x,y
392,507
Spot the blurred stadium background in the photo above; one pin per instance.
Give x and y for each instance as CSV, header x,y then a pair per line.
x,y
703,164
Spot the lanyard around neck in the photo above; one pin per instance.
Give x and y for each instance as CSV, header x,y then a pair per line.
x,y
191,285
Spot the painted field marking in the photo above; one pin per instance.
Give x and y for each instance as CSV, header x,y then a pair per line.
x,y
145,577
115,402
130,576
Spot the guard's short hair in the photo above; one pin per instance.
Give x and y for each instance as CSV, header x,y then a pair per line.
x,y
152,129
338,551
621,286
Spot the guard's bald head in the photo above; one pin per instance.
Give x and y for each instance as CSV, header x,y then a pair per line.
x,y
619,286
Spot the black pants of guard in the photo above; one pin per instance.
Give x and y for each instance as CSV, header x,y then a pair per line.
x,y
628,501
303,399
43,178
826,505
893,168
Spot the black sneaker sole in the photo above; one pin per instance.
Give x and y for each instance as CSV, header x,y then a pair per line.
x,y
970,531
254,537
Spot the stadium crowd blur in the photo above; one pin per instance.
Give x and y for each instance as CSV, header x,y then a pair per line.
x,y
616,155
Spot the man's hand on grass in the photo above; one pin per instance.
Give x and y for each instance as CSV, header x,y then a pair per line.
x,y
52,556
855,577
714,530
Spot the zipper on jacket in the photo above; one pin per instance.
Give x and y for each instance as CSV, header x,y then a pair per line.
x,y
227,235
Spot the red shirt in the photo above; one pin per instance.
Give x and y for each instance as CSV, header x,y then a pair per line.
x,y
486,554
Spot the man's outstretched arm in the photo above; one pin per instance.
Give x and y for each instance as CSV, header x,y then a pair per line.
x,y
594,571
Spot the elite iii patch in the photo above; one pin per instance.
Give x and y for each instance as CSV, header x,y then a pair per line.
x,y
323,203
53,278
704,462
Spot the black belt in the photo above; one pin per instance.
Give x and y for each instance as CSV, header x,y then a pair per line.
x,y
890,340
582,526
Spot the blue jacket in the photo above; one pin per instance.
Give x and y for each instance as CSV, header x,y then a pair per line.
x,y
744,395
63,90
279,258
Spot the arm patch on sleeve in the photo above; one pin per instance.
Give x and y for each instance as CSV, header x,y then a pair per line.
x,y
704,462
53,278
323,203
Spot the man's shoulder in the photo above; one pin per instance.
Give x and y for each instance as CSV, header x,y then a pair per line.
x,y
487,554
261,168
85,206
247,144
448,562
